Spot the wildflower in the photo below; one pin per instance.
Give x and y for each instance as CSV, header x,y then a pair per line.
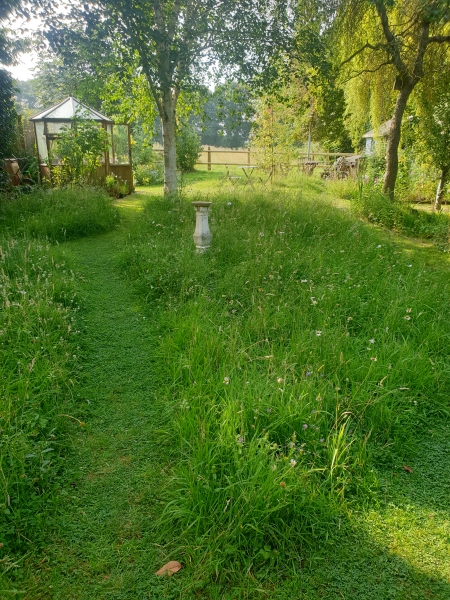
x,y
279,380
261,234
308,373
318,333
409,265
228,203
241,439
82,423
321,440
304,426
408,310
407,318
269,410
274,467
303,281
226,380
372,341
349,318
292,462
379,246
282,484
374,359
415,402
271,276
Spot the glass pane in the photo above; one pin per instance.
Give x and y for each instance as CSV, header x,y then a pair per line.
x,y
56,127
41,142
120,154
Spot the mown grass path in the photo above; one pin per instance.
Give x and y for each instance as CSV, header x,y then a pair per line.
x,y
102,545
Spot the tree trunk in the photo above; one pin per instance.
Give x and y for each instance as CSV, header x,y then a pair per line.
x,y
167,114
440,189
393,143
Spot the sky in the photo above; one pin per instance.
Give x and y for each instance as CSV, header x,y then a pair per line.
x,y
23,71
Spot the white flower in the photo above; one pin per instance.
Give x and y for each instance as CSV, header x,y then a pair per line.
x,y
318,333
226,380
374,359
372,341
280,380
407,318
292,462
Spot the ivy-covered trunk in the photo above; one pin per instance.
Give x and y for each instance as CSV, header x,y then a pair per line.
x,y
390,177
167,114
441,185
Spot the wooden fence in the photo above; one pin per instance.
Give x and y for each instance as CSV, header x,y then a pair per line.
x,y
229,157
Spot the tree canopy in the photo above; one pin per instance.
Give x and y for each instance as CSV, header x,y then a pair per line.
x,y
175,43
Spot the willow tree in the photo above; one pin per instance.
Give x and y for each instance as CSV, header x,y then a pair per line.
x,y
389,40
430,123
176,41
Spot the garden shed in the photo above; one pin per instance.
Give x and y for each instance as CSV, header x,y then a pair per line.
x,y
116,159
370,138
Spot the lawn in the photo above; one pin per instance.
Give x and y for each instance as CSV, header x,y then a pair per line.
x,y
272,414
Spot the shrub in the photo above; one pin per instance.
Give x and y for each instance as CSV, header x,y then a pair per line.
x,y
188,148
80,148
149,175
115,187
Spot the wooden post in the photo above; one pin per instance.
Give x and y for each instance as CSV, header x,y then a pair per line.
x,y
209,158
248,157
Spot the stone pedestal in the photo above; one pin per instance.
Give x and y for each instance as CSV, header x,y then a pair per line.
x,y
202,234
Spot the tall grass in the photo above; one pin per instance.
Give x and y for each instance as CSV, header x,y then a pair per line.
x,y
37,373
58,214
399,216
301,351
39,348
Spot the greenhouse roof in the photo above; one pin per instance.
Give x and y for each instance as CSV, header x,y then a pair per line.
x,y
68,109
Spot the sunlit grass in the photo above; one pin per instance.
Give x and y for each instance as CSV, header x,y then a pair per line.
x,y
301,352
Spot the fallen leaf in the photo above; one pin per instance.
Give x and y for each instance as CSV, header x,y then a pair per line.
x,y
170,568
407,469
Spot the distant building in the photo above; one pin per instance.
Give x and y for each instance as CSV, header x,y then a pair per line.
x,y
370,137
